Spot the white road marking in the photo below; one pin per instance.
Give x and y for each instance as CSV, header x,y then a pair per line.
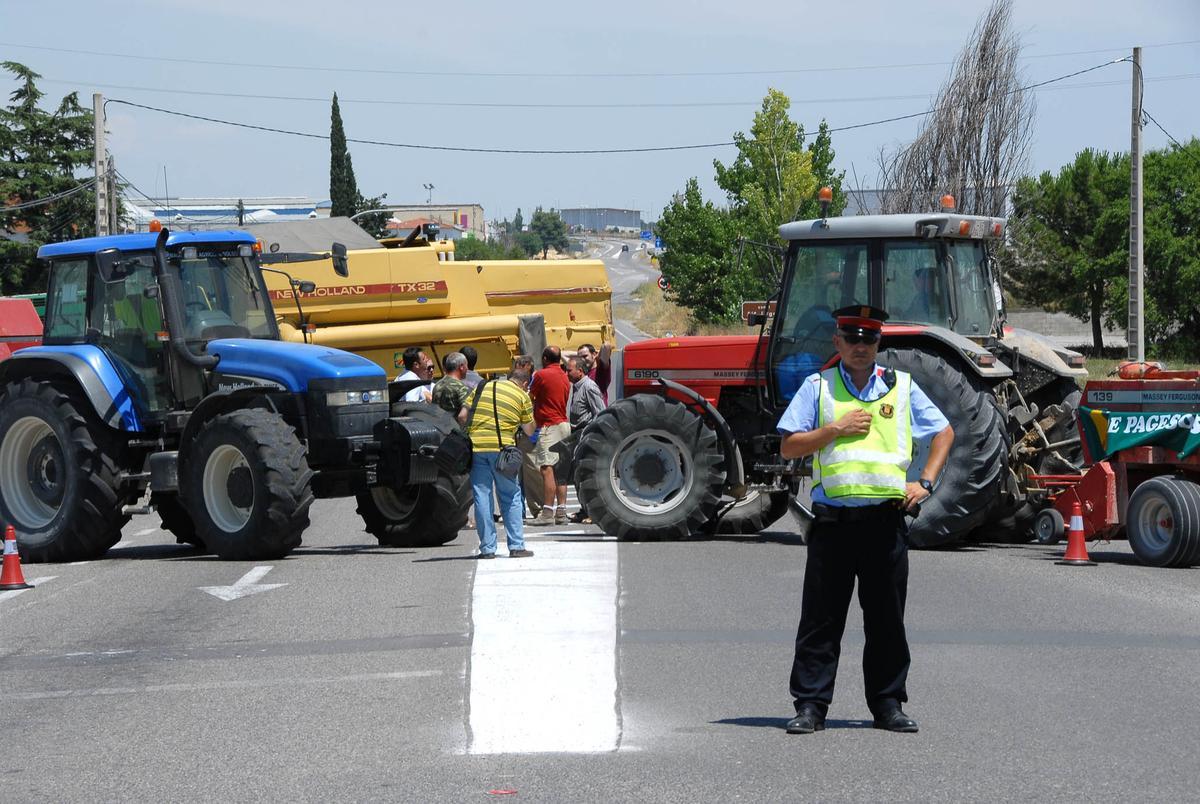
x,y
217,685
146,531
31,581
543,655
244,586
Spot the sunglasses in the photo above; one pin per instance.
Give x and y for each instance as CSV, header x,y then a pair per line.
x,y
854,338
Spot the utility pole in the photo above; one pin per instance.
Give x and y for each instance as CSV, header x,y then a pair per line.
x,y
110,181
100,160
1136,332
428,194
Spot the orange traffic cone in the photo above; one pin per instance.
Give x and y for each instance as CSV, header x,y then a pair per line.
x,y
11,576
1077,554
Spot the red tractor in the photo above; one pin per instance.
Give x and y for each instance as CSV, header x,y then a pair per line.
x,y
692,445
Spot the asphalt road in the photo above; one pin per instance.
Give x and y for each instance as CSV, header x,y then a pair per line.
x,y
594,671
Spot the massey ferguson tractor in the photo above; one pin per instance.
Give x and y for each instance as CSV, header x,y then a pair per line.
x,y
692,445
161,373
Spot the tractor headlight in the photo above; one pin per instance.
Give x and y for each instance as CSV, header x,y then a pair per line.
x,y
336,399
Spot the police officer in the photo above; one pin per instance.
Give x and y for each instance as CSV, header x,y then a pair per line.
x,y
861,421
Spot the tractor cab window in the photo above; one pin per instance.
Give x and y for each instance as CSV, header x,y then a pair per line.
x,y
66,301
125,322
824,277
977,302
223,297
915,283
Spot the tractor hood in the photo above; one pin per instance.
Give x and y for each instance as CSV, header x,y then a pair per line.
x,y
292,365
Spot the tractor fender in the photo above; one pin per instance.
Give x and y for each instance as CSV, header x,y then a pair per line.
x,y
735,477
972,354
89,369
222,400
1042,351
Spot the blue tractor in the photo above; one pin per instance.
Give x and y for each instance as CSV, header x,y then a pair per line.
x,y
161,373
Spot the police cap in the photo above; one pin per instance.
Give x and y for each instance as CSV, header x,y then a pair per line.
x,y
860,318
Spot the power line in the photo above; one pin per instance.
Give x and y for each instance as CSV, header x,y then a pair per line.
x,y
568,151
1150,117
470,74
50,199
549,106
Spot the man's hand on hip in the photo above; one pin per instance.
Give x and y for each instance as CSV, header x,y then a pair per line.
x,y
914,495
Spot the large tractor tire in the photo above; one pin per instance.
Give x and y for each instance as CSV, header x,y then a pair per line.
x,y
425,515
1163,522
247,485
175,518
648,468
755,512
966,493
59,475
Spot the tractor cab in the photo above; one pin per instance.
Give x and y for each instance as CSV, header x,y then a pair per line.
x,y
924,270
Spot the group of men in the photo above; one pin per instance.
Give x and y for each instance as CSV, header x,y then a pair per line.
x,y
536,411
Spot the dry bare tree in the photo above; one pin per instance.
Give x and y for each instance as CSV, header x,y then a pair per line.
x,y
975,142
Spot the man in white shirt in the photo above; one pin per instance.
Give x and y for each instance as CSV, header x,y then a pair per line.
x,y
417,366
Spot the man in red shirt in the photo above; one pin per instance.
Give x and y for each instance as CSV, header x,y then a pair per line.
x,y
549,390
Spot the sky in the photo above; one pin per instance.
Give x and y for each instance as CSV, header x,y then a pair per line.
x,y
563,76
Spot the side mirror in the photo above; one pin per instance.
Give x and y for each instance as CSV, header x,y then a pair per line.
x,y
107,263
306,286
341,265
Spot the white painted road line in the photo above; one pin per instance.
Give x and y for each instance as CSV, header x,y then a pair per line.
x,y
146,531
543,655
31,581
245,586
218,685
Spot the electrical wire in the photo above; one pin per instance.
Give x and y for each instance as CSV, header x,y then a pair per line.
x,y
50,199
567,151
1150,117
469,74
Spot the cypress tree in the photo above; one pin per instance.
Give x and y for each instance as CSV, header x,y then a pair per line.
x,y
343,190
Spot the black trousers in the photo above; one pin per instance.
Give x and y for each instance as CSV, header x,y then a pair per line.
x,y
874,551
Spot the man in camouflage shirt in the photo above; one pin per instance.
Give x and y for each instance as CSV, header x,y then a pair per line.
x,y
450,393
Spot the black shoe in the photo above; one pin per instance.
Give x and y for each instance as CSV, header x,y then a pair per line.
x,y
486,555
894,719
520,554
806,721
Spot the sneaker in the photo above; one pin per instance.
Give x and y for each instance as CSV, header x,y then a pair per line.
x,y
560,518
546,517
520,554
486,555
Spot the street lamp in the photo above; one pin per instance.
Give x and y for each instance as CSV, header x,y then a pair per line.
x,y
429,194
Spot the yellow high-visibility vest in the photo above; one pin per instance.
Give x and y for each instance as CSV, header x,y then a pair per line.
x,y
874,464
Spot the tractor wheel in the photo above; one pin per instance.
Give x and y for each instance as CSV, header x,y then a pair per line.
x,y
969,487
175,518
59,475
247,485
755,512
424,515
648,468
1163,522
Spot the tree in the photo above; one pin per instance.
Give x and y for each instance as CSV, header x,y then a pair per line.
x,y
1070,244
1069,236
696,262
822,153
343,189
40,154
975,141
529,243
518,223
772,176
550,229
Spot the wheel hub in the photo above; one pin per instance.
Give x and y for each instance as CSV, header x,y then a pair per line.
x,y
240,487
652,471
33,473
44,471
228,488
649,469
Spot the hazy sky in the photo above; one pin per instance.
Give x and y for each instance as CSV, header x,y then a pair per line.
x,y
554,75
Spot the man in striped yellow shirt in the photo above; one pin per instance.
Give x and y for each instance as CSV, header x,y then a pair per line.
x,y
504,406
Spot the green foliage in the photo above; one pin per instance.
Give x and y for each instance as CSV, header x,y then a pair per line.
x,y
40,153
772,180
374,223
472,248
529,243
550,229
697,260
518,223
1070,244
343,189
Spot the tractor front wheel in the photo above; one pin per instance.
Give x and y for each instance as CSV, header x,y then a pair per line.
x,y
648,468
247,486
753,513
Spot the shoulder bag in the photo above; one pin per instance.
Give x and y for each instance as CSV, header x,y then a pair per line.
x,y
453,455
510,459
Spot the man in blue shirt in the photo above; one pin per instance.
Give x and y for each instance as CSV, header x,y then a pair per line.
x,y
861,421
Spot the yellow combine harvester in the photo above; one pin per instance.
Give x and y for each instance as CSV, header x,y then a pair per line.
x,y
420,296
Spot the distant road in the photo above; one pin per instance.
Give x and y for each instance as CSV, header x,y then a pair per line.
x,y
627,270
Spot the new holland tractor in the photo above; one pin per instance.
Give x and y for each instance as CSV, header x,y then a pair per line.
x,y
161,373
692,447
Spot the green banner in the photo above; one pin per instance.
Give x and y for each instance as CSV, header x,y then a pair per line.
x,y
1108,431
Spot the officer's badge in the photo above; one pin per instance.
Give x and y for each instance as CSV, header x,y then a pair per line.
x,y
886,411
